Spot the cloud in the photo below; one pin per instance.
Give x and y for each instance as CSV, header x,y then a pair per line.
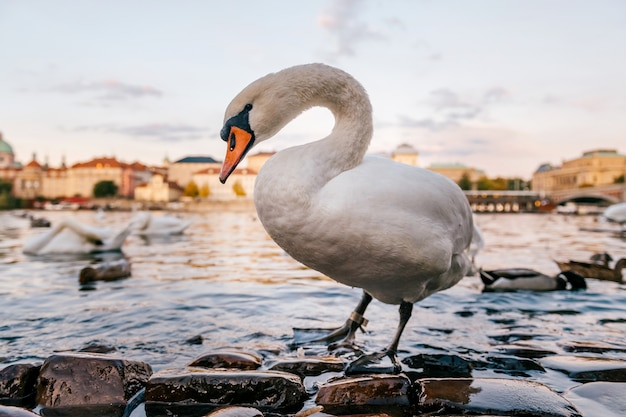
x,y
449,109
341,19
162,132
109,90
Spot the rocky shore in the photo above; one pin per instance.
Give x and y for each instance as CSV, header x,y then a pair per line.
x,y
228,383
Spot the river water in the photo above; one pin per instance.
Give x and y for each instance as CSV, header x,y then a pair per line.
x,y
226,281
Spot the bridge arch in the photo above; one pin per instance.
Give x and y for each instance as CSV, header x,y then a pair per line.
x,y
595,199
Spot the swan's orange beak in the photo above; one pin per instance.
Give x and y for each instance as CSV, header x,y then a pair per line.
x,y
239,142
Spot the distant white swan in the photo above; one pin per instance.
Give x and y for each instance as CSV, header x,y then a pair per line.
x,y
616,213
145,224
70,236
399,232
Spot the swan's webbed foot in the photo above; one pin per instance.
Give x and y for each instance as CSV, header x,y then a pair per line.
x,y
343,335
385,362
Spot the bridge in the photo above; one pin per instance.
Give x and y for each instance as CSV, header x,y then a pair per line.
x,y
503,201
528,201
602,195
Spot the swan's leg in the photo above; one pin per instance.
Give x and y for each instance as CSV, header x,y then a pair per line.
x,y
370,363
344,336
349,328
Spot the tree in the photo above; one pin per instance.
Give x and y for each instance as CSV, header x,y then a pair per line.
x,y
6,199
483,183
205,191
191,189
619,180
465,182
105,188
238,189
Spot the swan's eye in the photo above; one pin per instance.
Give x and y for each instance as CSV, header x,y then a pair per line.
x,y
232,141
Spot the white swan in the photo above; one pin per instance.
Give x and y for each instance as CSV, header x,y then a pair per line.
x,y
616,213
145,224
398,232
70,236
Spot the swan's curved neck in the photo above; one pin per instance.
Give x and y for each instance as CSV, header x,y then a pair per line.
x,y
345,147
304,87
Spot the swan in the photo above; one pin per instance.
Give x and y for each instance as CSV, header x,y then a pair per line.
x,y
70,236
398,232
146,225
527,279
616,213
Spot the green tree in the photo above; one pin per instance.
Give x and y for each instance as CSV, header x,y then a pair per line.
x,y
105,188
483,183
238,189
465,182
6,199
5,186
499,184
619,180
191,190
205,191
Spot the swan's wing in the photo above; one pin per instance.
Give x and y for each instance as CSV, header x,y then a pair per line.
x,y
399,199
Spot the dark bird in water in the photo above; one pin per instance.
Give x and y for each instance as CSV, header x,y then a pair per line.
x,y
513,279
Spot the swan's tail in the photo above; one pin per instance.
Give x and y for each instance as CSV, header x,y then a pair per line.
x,y
478,242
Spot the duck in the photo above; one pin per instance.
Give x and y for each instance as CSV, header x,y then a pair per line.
x,y
513,279
400,233
71,236
145,224
598,268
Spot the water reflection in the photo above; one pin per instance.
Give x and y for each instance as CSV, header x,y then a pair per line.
x,y
225,280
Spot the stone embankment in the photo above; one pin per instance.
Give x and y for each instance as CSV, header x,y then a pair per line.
x,y
228,383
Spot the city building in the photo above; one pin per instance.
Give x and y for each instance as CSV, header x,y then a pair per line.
x,y
7,157
181,171
28,182
594,168
158,189
256,161
455,171
405,154
240,183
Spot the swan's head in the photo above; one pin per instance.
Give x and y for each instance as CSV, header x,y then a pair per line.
x,y
239,137
265,106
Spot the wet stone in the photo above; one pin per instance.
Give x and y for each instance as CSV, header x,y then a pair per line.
x,y
228,359
593,347
191,391
502,397
525,351
309,366
605,399
18,384
586,369
81,384
363,394
106,271
96,347
439,365
513,366
9,411
235,411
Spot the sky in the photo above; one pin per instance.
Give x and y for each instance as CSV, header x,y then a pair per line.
x,y
499,85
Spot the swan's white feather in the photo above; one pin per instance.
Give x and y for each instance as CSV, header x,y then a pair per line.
x,y
399,232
